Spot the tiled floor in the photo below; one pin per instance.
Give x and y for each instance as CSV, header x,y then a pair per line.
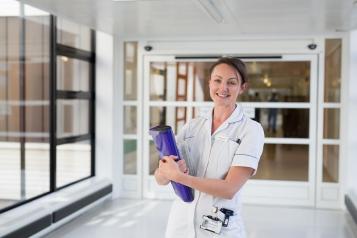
x,y
147,218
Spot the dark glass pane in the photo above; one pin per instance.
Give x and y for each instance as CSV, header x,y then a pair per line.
x,y
284,162
333,60
332,123
175,117
72,74
72,117
283,122
130,157
154,158
130,70
130,119
330,163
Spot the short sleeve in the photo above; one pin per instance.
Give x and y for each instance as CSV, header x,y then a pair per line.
x,y
251,147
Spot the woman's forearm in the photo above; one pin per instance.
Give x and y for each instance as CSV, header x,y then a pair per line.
x,y
223,188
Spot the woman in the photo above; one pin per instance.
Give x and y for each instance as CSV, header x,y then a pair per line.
x,y
226,147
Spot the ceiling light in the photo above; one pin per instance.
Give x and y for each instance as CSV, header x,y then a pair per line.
x,y
211,9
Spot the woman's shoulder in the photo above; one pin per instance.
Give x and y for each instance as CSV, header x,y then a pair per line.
x,y
253,126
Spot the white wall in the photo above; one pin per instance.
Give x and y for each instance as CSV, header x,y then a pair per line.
x,y
105,162
351,182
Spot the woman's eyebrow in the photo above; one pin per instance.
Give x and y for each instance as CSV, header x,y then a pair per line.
x,y
218,76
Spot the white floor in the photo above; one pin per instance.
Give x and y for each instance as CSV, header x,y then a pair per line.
x,y
147,218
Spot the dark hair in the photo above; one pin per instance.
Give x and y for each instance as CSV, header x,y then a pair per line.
x,y
235,63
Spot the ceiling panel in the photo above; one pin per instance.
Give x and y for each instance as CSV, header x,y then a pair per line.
x,y
187,18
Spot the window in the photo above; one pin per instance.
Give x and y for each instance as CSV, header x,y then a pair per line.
x,y
46,118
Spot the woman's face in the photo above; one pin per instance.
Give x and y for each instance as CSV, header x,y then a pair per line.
x,y
225,85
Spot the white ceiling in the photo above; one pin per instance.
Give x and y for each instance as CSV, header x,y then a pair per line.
x,y
187,18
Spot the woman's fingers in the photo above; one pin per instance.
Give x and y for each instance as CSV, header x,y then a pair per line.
x,y
182,165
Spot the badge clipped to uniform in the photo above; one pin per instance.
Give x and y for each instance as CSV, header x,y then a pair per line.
x,y
215,223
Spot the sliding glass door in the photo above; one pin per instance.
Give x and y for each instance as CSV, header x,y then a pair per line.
x,y
281,96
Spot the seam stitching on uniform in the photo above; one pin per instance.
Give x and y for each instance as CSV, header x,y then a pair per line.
x,y
247,155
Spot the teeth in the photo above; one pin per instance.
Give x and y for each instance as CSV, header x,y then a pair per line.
x,y
222,95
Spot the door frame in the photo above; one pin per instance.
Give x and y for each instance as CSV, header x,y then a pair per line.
x,y
269,192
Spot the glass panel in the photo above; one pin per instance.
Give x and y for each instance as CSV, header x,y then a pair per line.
x,y
333,55
23,104
73,162
154,158
130,155
73,34
175,117
130,119
72,74
287,81
37,166
72,117
37,123
330,163
284,162
331,123
130,69
283,122
10,174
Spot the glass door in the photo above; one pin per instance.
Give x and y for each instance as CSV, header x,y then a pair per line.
x,y
281,96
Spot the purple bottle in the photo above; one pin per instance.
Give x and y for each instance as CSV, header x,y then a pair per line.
x,y
164,140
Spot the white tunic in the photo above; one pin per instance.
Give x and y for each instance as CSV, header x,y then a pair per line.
x,y
237,142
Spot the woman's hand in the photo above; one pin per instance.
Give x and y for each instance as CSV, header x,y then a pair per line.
x,y
171,169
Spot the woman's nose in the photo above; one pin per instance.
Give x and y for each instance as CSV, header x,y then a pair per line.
x,y
223,87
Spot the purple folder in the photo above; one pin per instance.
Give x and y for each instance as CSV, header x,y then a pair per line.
x,y
164,140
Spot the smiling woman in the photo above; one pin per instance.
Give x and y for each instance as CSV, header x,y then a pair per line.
x,y
226,147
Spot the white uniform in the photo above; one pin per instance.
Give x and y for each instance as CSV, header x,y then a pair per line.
x,y
237,142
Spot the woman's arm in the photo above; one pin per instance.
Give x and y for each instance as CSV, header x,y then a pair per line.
x,y
224,188
160,179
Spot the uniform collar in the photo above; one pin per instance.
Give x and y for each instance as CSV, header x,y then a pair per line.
x,y
236,116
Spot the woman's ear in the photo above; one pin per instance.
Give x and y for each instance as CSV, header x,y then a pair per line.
x,y
244,87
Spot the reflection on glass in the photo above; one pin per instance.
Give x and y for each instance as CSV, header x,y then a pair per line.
x,y
289,80
130,70
72,74
175,117
37,168
130,156
330,163
284,162
10,174
333,55
73,162
37,122
282,122
72,117
23,103
73,34
154,158
130,119
331,123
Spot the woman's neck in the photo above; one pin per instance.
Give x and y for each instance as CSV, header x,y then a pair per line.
x,y
220,114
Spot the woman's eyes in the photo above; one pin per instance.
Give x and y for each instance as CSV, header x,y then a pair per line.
x,y
231,82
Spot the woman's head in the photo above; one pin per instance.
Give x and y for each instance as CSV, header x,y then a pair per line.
x,y
228,79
